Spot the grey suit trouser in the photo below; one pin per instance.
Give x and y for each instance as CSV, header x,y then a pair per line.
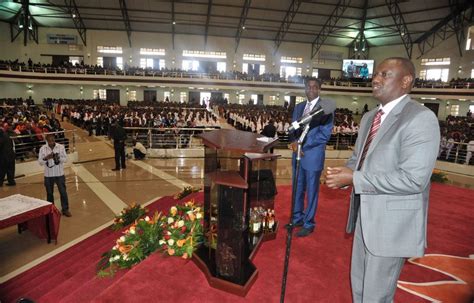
x,y
373,278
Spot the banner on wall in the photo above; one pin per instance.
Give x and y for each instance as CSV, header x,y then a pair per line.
x,y
61,39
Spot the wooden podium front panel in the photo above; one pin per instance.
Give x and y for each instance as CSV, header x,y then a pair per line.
x,y
232,253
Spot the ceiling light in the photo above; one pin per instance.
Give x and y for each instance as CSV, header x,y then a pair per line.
x,y
243,27
174,22
74,15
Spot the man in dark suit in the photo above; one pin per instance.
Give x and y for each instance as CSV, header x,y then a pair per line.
x,y
312,160
119,136
390,171
7,159
269,130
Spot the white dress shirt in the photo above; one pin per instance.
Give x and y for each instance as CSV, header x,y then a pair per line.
x,y
51,169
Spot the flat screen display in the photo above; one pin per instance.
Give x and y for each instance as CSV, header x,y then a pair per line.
x,y
357,68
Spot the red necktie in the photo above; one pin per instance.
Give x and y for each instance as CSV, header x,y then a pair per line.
x,y
373,131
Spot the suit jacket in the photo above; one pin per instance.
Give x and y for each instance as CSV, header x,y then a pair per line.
x,y
314,146
392,187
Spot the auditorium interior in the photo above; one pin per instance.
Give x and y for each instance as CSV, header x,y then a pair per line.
x,y
179,69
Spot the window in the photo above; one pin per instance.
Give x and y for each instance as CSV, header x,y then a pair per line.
x,y
190,65
254,98
436,61
289,71
470,39
152,51
472,73
300,99
182,97
119,62
221,67
146,62
100,94
204,54
162,64
109,49
455,110
226,96
100,61
241,98
315,73
167,95
75,60
132,95
245,68
254,57
272,100
291,59
435,74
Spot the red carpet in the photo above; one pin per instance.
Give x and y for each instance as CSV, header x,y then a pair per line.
x,y
318,272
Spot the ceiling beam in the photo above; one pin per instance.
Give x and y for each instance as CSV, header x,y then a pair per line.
x,y
173,23
126,20
402,28
208,18
451,25
286,23
24,23
328,26
243,18
76,18
360,46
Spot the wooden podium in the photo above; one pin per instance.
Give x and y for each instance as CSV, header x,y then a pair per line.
x,y
239,175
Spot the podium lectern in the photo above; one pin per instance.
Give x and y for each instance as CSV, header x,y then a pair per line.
x,y
239,175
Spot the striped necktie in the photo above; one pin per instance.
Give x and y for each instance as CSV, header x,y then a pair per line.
x,y
307,109
373,131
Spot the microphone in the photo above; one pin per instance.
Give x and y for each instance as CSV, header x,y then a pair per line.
x,y
323,107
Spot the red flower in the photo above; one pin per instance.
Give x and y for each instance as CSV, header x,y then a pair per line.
x,y
167,237
183,229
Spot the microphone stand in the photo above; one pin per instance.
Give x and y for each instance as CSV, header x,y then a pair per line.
x,y
290,226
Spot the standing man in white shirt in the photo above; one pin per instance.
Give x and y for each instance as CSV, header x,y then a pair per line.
x,y
52,156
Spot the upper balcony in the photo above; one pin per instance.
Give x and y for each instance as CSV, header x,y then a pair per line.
x,y
225,81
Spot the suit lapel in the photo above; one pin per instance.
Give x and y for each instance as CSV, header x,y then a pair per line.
x,y
392,117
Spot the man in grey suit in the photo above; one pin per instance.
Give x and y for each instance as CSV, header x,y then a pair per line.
x,y
390,171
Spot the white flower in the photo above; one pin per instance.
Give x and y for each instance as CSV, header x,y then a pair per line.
x,y
197,209
125,257
168,233
116,257
122,239
132,231
170,220
198,215
180,223
111,260
161,242
115,247
170,242
147,218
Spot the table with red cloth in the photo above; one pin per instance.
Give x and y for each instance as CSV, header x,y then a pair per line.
x,y
38,216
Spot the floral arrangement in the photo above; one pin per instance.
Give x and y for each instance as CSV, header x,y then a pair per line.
x,y
438,176
177,234
182,230
187,190
128,215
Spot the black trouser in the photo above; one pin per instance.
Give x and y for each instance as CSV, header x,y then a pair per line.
x,y
119,148
138,154
7,167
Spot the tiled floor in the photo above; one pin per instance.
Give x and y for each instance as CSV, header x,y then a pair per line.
x,y
96,193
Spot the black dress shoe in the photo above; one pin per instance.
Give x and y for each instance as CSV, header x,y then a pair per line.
x,y
67,213
11,184
115,169
298,224
304,232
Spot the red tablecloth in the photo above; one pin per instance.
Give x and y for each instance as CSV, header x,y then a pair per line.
x,y
35,221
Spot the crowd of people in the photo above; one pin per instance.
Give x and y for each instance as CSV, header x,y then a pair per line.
x,y
457,139
81,68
